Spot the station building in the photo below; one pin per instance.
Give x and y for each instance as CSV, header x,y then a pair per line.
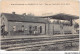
x,y
16,24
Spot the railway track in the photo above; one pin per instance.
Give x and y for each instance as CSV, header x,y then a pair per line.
x,y
30,43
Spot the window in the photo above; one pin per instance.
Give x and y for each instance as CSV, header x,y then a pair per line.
x,y
35,27
22,28
40,29
30,29
14,28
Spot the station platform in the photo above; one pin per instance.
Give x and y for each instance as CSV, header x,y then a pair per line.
x,y
36,36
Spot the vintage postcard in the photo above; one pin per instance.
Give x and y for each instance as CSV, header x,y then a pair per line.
x,y
39,25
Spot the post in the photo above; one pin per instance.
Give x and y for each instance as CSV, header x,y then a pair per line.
x,y
71,22
48,24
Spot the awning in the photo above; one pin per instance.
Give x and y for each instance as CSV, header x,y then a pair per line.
x,y
62,16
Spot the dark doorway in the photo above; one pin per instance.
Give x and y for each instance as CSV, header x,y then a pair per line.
x,y
40,29
30,30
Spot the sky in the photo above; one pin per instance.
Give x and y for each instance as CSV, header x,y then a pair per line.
x,y
40,7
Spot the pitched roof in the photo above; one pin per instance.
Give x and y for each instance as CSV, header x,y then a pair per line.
x,y
22,18
41,19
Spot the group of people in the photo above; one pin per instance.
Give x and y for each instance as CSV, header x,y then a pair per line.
x,y
3,32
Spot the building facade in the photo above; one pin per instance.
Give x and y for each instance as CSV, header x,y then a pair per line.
x,y
15,24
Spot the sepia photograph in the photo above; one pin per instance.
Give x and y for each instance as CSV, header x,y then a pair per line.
x,y
39,25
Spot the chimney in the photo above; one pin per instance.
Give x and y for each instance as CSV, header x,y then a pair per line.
x,y
13,12
24,14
